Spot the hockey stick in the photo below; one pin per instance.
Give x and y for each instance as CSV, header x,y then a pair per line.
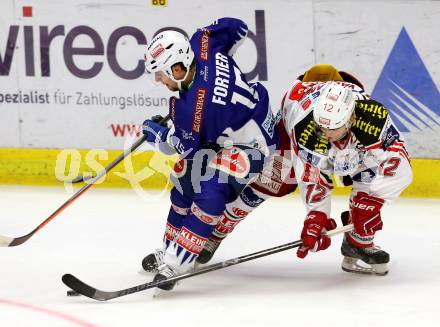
x,y
138,143
86,178
6,241
82,288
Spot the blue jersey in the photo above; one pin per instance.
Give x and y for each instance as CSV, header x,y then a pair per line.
x,y
221,106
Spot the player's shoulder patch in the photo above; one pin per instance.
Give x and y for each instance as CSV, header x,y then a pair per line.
x,y
306,136
370,121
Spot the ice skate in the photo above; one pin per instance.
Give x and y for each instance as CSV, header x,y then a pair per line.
x,y
152,261
208,251
165,272
373,260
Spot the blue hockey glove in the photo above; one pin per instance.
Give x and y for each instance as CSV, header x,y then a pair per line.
x,y
154,132
158,119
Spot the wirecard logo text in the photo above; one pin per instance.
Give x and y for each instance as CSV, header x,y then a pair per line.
x,y
107,50
407,90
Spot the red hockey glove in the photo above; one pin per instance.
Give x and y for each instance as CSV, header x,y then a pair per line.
x,y
312,238
365,214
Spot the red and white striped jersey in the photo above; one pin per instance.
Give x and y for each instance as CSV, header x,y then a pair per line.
x,y
372,150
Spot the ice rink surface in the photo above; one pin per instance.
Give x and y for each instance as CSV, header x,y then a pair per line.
x,y
103,237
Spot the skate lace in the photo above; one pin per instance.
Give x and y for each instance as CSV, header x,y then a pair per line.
x,y
166,271
372,249
158,255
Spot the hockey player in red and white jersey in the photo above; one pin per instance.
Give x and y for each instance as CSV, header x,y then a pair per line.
x,y
336,128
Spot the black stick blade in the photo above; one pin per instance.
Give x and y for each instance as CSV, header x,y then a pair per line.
x,y
80,287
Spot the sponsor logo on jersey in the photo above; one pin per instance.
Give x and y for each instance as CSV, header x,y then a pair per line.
x,y
204,73
204,44
306,104
199,107
346,84
268,183
369,121
306,136
297,92
309,157
365,176
316,94
406,88
269,123
391,135
275,177
173,107
186,135
311,174
309,88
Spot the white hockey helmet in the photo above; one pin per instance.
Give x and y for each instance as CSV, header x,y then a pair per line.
x,y
166,49
334,107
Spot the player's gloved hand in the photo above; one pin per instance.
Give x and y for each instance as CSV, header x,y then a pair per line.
x,y
154,132
365,214
158,119
312,237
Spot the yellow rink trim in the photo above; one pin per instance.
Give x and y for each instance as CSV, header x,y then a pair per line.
x,y
146,169
53,166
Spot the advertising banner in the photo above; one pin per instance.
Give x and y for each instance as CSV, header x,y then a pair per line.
x,y
72,73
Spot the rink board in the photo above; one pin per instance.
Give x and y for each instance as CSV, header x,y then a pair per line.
x,y
84,86
148,170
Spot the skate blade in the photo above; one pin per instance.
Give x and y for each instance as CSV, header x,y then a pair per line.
x,y
158,292
351,265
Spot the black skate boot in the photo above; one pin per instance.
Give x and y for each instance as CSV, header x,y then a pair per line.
x,y
208,251
152,261
165,272
376,260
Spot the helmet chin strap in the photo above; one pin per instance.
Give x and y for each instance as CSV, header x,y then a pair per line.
x,y
180,81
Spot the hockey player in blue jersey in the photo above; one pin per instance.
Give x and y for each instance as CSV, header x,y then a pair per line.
x,y
222,128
